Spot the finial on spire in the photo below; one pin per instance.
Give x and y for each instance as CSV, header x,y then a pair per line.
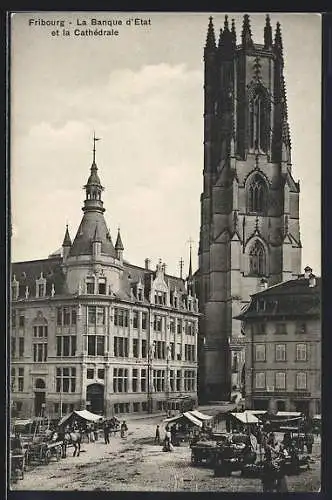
x,y
210,38
95,139
226,28
233,31
221,36
267,33
246,32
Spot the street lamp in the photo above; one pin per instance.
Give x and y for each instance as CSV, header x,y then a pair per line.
x,y
151,351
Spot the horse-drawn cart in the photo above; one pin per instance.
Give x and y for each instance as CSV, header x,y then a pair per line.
x,y
203,452
42,452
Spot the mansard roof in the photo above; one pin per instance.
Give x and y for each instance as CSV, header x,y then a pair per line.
x,y
82,244
292,298
26,273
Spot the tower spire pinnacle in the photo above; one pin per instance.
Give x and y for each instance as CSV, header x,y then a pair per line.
x,y
267,33
210,38
246,32
278,40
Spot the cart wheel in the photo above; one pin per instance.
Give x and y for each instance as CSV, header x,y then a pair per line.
x,y
47,457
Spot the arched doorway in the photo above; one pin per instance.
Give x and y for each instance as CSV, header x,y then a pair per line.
x,y
40,397
95,396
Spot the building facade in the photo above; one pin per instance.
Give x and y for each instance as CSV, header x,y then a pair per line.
x,y
283,346
90,330
250,201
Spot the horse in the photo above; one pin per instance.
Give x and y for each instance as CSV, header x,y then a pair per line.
x,y
73,438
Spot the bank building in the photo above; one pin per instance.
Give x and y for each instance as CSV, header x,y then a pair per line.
x,y
250,201
90,330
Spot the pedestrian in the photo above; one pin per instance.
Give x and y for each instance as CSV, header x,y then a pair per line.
x,y
157,436
123,429
95,431
309,441
106,432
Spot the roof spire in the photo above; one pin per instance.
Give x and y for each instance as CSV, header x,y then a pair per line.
x,y
221,36
66,240
95,139
226,28
210,38
267,33
278,41
118,243
190,271
233,32
246,32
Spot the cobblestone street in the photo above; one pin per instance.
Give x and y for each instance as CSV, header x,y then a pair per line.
x,y
137,464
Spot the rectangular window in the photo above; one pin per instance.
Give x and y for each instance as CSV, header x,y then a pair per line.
x,y
120,379
121,317
260,380
301,380
101,374
172,380
178,380
178,351
157,323
65,379
135,319
159,380
135,348
13,319
102,286
59,316
258,328
144,348
280,380
172,325
91,315
260,352
280,352
21,347
281,328
39,352
301,352
100,339
73,345
90,287
179,326
135,380
101,316
66,345
136,407
73,316
66,316
121,347
144,320
301,328
172,350
41,290
21,322
143,380
13,347
90,373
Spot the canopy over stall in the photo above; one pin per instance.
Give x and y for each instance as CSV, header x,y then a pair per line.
x,y
245,417
82,415
186,417
288,414
200,416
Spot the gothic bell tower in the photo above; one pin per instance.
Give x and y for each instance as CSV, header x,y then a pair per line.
x,y
249,234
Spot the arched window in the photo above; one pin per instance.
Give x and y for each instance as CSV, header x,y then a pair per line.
x,y
257,259
258,122
257,193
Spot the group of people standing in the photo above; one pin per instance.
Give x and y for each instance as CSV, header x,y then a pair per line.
x,y
110,426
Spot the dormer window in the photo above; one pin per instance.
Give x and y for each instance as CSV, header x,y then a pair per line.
x,y
102,286
41,286
90,286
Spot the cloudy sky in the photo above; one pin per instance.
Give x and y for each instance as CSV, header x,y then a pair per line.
x,y
142,92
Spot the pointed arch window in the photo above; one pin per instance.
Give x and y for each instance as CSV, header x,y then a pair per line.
x,y
258,122
257,259
257,194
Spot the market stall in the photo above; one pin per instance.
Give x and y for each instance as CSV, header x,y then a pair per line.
x,y
81,416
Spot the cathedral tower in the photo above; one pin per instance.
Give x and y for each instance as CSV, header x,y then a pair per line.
x,y
249,234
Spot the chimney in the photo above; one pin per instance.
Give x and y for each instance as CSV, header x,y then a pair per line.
x,y
147,263
312,280
307,272
263,284
163,267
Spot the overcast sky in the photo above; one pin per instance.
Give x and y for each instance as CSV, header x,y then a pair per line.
x,y
142,92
